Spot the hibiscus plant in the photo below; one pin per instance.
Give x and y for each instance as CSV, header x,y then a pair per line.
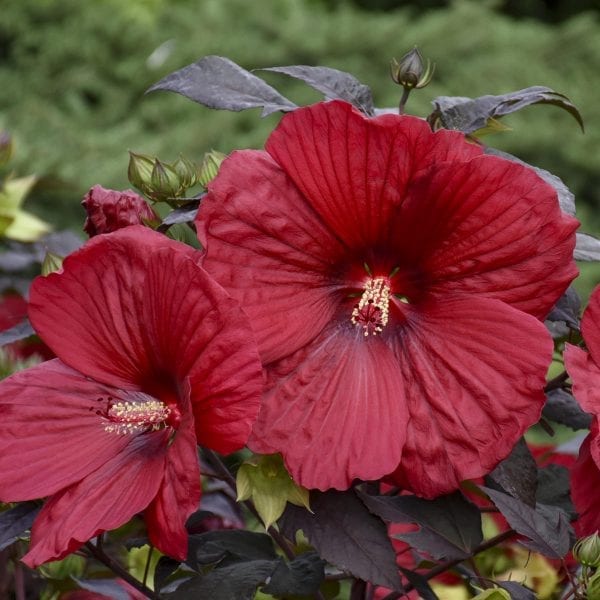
x,y
332,368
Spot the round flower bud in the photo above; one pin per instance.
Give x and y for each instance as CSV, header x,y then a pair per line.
x,y
139,170
411,71
210,166
109,210
587,550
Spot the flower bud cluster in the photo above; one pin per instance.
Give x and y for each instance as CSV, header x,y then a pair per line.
x,y
167,182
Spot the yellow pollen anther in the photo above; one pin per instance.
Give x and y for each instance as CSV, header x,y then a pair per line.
x,y
373,309
143,414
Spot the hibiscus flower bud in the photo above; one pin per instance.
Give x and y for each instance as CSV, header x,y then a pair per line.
x,y
165,183
109,210
587,550
411,71
210,166
52,263
188,172
139,170
6,147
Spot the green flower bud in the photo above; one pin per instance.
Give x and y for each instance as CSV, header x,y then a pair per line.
x,y
587,550
188,172
210,166
139,170
165,183
6,147
593,587
411,71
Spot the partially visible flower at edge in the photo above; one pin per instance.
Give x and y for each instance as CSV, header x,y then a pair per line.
x,y
110,210
395,279
153,356
584,369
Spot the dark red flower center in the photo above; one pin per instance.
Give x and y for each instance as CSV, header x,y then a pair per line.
x,y
133,413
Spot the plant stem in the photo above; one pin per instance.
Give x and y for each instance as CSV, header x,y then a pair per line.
x,y
405,93
119,570
441,568
19,582
556,382
147,567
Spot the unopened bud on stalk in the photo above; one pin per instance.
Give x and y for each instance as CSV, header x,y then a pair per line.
x,y
587,550
139,171
187,171
411,72
52,263
165,183
210,166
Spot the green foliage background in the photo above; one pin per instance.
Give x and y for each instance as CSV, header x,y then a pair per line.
x,y
73,75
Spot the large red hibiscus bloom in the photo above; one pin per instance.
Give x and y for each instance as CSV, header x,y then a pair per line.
x,y
584,369
152,356
395,279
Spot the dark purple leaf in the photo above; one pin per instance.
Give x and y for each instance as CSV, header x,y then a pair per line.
x,y
516,590
236,581
567,309
214,546
333,84
105,587
450,526
546,527
300,577
468,115
165,567
563,408
554,488
566,198
218,82
516,474
20,331
185,214
16,520
347,535
587,248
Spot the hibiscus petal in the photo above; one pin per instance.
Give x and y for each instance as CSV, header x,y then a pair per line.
x,y
590,327
585,483
585,374
267,246
195,329
52,436
354,170
90,312
179,493
488,227
335,410
103,500
473,371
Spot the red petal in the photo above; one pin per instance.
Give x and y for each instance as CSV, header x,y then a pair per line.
x,y
104,500
90,313
488,227
267,246
590,326
195,329
335,410
51,435
585,483
585,374
474,371
179,493
354,170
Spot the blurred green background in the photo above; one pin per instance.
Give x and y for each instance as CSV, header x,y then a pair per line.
x,y
73,75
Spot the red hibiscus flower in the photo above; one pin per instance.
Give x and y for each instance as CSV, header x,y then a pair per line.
x,y
152,355
584,370
395,279
110,210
